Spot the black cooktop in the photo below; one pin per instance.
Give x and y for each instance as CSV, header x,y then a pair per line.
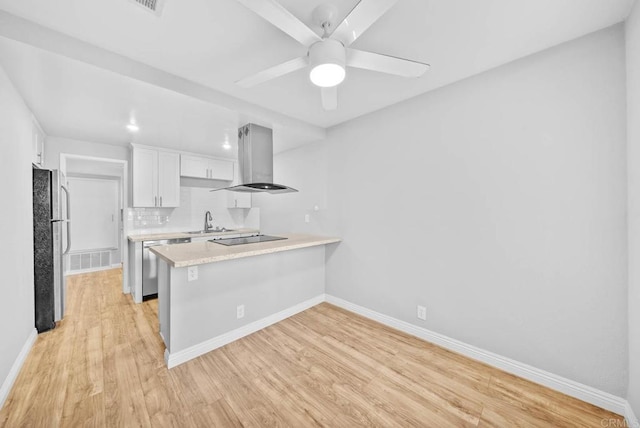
x,y
247,240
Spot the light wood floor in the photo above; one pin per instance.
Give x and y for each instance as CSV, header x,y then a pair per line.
x,y
104,367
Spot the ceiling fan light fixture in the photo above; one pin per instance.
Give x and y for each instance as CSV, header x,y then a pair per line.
x,y
327,61
327,75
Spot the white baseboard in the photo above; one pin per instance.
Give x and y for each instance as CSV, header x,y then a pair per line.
x,y
177,358
574,389
630,416
5,389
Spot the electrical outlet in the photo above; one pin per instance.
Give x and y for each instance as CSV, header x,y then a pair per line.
x,y
422,312
307,218
192,273
240,311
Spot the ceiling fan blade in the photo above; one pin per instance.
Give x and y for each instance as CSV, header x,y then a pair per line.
x,y
385,63
273,72
280,17
365,13
329,98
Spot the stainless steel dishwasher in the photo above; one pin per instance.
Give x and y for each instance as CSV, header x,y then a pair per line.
x,y
150,266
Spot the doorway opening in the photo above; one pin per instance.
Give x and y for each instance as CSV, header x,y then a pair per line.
x,y
95,235
98,189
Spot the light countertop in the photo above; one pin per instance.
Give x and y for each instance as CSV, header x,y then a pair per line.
x,y
174,235
197,253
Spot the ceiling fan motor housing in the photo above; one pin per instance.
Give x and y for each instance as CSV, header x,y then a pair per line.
x,y
327,61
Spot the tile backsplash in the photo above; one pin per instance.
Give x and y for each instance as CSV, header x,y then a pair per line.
x,y
141,218
194,202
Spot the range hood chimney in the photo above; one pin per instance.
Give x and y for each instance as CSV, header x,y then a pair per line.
x,y
255,157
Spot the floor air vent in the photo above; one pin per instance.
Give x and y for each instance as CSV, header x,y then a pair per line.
x,y
89,261
153,6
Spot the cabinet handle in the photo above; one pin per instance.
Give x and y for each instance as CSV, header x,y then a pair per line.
x,y
160,200
155,201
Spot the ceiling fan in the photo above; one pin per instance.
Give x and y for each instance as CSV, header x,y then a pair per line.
x,y
329,54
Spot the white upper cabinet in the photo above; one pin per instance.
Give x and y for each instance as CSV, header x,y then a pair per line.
x,y
221,169
37,141
238,199
204,167
145,177
194,166
168,179
156,178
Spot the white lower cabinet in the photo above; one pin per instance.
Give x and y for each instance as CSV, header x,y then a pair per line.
x,y
156,178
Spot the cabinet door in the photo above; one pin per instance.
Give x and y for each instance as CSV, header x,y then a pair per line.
x,y
239,200
168,179
145,177
37,139
221,169
194,166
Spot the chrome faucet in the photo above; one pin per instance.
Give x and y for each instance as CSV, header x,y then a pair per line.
x,y
207,218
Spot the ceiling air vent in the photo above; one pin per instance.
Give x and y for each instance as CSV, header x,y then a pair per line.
x,y
153,6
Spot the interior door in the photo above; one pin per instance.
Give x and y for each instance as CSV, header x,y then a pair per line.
x,y
96,213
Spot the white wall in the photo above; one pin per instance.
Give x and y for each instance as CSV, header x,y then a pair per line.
x,y
498,202
16,227
633,168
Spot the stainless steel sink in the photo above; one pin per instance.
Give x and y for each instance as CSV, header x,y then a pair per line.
x,y
216,230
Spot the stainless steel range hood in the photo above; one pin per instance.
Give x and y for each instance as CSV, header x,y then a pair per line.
x,y
255,157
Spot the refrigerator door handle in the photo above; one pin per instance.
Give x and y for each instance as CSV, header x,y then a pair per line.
x,y
68,220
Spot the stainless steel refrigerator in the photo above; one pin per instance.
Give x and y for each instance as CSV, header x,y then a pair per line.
x,y
51,241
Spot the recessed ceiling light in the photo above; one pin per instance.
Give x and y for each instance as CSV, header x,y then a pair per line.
x,y
133,127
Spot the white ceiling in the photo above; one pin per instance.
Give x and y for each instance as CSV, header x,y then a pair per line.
x,y
214,43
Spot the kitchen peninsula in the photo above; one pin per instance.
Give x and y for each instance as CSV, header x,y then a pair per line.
x,y
210,294
137,253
